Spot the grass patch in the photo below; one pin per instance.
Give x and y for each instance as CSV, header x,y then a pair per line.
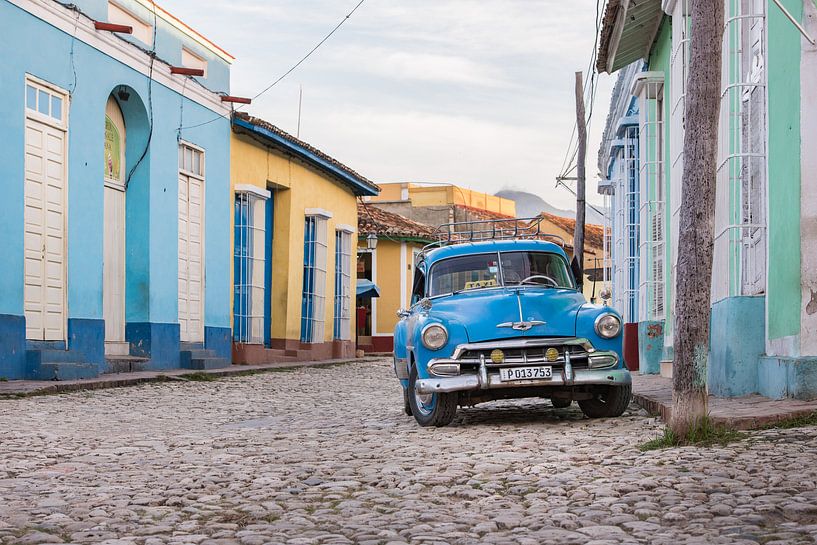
x,y
801,421
704,434
200,377
3,379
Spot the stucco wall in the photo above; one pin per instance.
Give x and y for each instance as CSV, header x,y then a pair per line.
x,y
97,75
295,187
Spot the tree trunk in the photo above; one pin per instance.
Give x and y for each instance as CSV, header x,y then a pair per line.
x,y
578,234
697,217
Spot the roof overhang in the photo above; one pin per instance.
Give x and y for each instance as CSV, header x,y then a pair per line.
x,y
359,187
628,31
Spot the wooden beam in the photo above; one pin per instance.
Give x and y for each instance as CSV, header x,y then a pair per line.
x,y
239,100
110,27
186,71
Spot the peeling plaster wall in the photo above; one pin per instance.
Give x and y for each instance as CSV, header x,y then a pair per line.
x,y
808,189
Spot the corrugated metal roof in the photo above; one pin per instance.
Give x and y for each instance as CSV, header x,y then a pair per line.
x,y
628,30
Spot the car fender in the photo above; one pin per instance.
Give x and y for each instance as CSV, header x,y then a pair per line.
x,y
586,328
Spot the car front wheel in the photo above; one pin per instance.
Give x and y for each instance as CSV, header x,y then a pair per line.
x,y
436,409
611,402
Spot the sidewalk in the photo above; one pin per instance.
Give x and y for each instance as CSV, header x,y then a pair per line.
x,y
24,388
653,393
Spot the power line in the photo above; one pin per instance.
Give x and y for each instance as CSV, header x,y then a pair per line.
x,y
288,72
589,96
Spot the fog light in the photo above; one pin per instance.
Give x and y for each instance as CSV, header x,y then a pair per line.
x,y
597,362
497,356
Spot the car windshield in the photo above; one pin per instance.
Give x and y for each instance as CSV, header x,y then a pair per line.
x,y
482,271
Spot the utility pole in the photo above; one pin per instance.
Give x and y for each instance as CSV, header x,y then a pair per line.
x,y
578,235
696,237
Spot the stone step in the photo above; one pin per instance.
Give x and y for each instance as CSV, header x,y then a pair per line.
x,y
125,364
206,363
48,355
66,371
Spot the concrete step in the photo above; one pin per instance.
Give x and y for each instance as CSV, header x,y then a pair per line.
x,y
47,355
125,364
201,364
66,371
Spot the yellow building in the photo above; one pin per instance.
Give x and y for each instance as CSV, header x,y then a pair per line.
x,y
295,227
390,265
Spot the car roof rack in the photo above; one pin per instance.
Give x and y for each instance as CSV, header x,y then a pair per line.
x,y
462,232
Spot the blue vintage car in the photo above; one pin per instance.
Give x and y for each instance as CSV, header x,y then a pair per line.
x,y
502,319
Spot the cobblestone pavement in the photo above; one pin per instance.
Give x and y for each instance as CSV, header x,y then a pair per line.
x,y
326,456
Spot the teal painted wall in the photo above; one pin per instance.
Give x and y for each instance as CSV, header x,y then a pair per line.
x,y
736,341
784,171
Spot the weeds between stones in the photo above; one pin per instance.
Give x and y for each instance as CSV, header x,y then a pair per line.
x,y
704,434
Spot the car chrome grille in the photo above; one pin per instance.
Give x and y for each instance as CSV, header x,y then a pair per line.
x,y
528,356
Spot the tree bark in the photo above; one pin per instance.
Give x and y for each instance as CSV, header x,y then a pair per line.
x,y
581,159
696,228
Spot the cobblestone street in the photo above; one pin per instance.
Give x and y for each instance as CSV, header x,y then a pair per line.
x,y
326,455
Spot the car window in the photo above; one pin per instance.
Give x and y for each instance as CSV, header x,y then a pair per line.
x,y
547,269
464,273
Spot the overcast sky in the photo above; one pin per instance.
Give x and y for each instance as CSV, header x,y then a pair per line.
x,y
477,93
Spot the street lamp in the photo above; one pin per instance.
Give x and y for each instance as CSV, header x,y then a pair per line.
x,y
371,241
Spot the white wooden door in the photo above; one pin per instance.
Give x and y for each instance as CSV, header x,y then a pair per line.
x,y
45,186
191,250
113,270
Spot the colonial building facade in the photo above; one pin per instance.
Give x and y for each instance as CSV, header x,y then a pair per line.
x,y
764,307
294,240
115,183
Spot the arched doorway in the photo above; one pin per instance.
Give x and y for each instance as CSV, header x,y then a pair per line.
x,y
113,271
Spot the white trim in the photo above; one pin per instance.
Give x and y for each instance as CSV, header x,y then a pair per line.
x,y
403,275
59,17
326,214
644,78
186,30
345,228
254,190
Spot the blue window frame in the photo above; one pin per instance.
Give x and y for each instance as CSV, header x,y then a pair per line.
x,y
313,302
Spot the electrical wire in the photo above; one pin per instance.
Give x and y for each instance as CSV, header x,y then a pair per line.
x,y
288,72
150,101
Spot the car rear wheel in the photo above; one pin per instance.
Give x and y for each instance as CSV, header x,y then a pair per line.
x,y
611,402
436,409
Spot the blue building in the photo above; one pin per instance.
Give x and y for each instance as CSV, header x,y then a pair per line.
x,y
114,169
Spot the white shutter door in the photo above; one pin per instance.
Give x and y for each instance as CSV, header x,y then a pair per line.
x,y
44,218
113,298
190,259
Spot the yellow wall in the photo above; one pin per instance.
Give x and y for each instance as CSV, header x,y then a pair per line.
x,y
442,195
295,188
390,273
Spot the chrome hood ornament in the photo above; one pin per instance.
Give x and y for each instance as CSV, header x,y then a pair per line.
x,y
521,326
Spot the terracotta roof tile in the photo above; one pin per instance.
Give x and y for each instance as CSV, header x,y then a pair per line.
x,y
593,234
371,219
298,142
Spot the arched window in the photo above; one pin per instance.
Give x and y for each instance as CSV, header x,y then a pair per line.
x,y
114,142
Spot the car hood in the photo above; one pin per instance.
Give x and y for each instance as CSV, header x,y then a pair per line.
x,y
514,310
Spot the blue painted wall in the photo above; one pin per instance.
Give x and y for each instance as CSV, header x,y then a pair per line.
x,y
650,346
152,201
736,343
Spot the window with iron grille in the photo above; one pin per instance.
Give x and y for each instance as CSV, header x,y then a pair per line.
x,y
313,303
343,286
249,268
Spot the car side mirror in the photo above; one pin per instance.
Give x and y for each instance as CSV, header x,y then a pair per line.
x,y
402,313
576,267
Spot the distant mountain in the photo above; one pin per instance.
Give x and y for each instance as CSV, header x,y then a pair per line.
x,y
529,205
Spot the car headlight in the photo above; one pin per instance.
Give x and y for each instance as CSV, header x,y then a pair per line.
x,y
434,336
608,326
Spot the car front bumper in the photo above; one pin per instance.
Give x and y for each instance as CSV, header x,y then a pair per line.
x,y
600,368
581,377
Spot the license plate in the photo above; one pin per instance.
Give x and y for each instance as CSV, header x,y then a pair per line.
x,y
525,373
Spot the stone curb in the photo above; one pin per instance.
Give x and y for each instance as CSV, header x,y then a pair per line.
x,y
27,388
766,413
